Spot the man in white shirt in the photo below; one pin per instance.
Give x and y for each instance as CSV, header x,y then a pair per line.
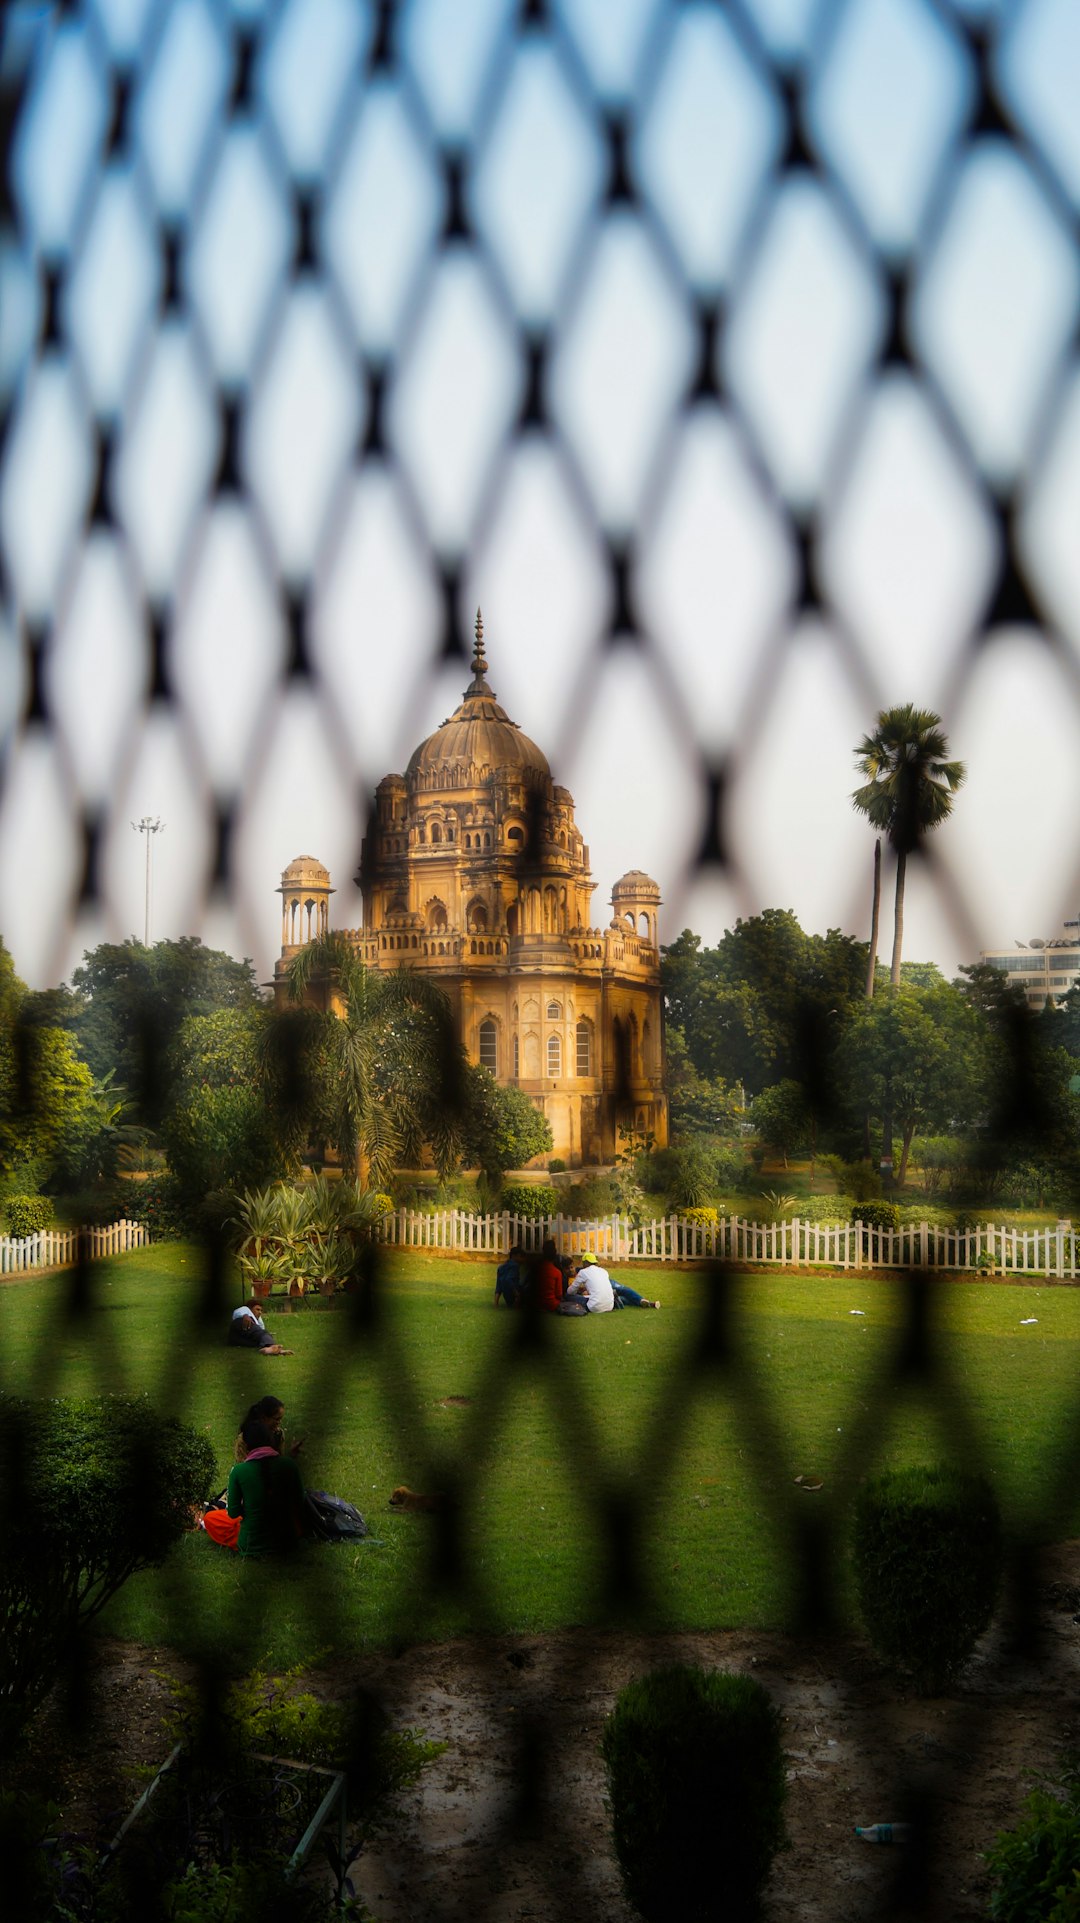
x,y
247,1330
593,1284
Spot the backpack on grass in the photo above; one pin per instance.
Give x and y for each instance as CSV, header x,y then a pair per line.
x,y
332,1519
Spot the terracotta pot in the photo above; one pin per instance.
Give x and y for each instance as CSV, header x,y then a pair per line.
x,y
261,1289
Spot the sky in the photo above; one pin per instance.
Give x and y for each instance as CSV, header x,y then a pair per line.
x,y
902,469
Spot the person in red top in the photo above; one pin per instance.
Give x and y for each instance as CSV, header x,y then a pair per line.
x,y
547,1281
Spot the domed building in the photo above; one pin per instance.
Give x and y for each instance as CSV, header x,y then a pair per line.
x,y
473,869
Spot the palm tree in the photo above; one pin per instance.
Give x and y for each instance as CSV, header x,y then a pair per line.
x,y
393,1060
909,786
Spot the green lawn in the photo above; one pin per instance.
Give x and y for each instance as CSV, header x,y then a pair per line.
x,y
615,1406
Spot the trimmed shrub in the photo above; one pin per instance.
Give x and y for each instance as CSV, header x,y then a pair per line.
x,y
705,1218
26,1214
696,1785
90,1492
876,1215
521,1198
556,1165
1036,1866
928,1559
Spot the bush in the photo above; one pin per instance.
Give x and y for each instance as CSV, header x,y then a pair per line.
x,y
521,1198
875,1215
859,1179
1036,1866
589,1201
161,1203
703,1218
696,1785
691,1177
26,1214
556,1165
823,1208
928,1557
90,1492
211,1848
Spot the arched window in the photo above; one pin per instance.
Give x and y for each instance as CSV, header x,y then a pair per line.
x,y
512,919
436,831
554,1055
554,1011
477,919
516,838
584,1048
489,1045
436,915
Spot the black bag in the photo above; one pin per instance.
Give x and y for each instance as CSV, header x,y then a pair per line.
x,y
332,1519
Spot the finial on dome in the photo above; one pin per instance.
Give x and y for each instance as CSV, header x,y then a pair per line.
x,y
479,661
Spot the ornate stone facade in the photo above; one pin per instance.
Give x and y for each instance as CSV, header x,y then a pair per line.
x,y
473,869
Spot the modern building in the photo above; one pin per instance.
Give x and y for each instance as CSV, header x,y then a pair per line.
x,y
1043,969
474,870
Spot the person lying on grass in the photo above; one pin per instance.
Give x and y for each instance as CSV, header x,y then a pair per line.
x,y
247,1330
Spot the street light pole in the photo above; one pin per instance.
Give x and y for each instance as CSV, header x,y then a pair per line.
x,y
149,826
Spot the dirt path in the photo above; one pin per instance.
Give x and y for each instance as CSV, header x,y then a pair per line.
x,y
463,1847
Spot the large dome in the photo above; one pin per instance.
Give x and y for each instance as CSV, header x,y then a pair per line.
x,y
479,734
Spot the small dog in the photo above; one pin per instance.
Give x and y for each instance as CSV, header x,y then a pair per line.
x,y
403,1498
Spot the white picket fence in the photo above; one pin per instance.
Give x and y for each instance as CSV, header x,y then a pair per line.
x,y
53,1248
790,1244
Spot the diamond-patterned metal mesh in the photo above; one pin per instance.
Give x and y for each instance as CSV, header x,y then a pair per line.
x,y
321,321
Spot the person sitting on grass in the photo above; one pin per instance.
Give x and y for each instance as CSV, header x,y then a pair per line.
x,y
510,1279
592,1285
266,1491
547,1285
247,1330
271,1410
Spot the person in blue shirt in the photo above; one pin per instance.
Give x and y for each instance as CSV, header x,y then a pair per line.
x,y
510,1279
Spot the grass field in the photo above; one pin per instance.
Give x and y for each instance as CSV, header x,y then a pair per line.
x,y
615,1408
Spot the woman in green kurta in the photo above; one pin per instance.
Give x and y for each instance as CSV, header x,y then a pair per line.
x,y
267,1492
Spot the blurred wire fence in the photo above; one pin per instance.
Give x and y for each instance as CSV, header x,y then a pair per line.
x,y
299,301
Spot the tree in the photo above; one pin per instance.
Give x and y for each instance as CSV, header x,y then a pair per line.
x,y
46,1102
220,1130
133,1000
781,1118
698,1105
1069,1030
916,1056
501,1128
908,789
764,1004
381,1059
90,1492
